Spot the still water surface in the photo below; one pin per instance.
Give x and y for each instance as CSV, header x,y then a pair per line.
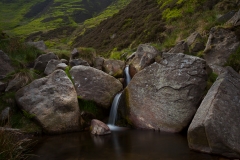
x,y
120,145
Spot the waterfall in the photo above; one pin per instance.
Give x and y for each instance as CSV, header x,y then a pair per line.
x,y
114,107
127,75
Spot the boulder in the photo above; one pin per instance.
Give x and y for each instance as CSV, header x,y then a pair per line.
x,y
221,44
77,62
235,20
99,128
226,17
51,66
39,44
195,43
17,83
64,61
98,63
114,68
165,96
95,85
61,66
144,56
52,100
85,54
215,127
42,61
6,66
180,47
5,115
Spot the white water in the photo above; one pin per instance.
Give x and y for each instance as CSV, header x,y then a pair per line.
x,y
127,75
114,107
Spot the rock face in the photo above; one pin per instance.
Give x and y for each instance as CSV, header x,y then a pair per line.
x,y
221,44
51,66
6,67
99,128
40,45
53,102
143,57
42,61
165,96
114,68
93,84
215,127
235,20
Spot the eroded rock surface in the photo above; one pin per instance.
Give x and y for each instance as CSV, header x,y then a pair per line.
x,y
166,96
95,85
215,127
52,101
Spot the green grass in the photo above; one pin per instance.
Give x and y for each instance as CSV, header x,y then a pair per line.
x,y
234,60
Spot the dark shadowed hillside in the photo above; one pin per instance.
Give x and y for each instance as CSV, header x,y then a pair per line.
x,y
139,22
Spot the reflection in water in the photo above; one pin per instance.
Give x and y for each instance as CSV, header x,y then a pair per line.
x,y
120,145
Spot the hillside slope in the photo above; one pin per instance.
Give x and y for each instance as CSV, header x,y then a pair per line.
x,y
24,16
160,22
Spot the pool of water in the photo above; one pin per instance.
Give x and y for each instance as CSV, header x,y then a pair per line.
x,y
120,145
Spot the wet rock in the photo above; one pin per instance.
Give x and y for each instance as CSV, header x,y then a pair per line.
x,y
39,44
114,68
144,56
99,128
42,61
95,85
77,62
51,66
52,101
165,96
215,128
221,44
6,66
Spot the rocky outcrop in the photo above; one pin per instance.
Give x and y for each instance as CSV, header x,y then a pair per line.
x,y
51,66
215,127
39,44
77,62
114,68
99,128
143,57
98,63
221,44
166,96
52,101
95,85
6,66
180,47
42,61
235,20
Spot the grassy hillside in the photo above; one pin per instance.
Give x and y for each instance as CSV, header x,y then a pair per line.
x,y
24,16
160,22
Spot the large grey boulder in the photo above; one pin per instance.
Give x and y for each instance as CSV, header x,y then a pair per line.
x,y
99,128
39,44
166,96
221,44
6,66
95,85
215,127
42,61
53,102
51,66
143,57
114,68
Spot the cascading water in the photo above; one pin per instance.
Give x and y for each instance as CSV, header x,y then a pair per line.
x,y
127,75
114,107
